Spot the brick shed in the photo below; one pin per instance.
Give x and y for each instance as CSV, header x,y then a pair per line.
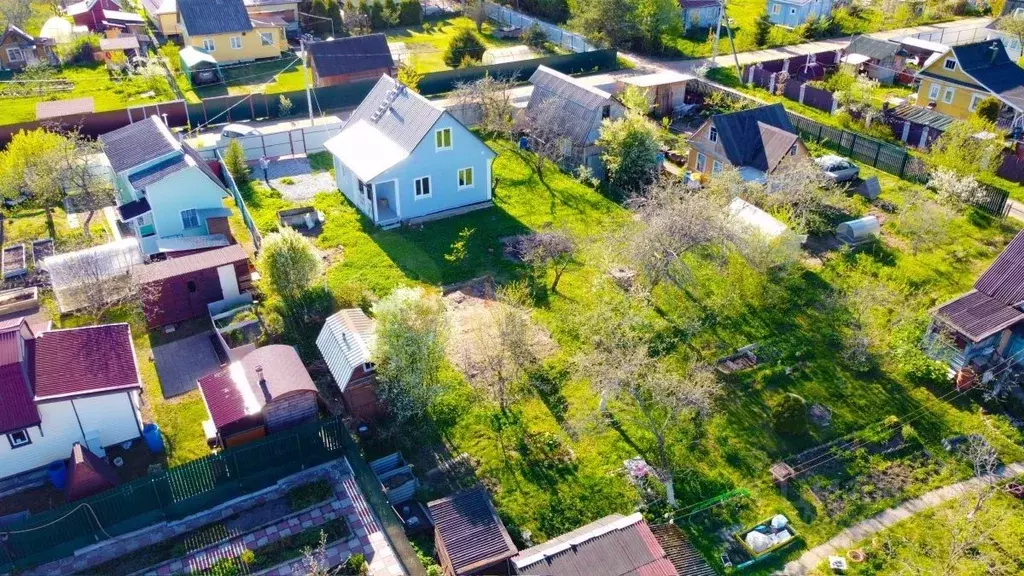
x,y
180,288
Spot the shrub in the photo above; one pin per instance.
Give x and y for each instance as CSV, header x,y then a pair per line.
x,y
170,53
534,36
464,45
356,564
409,76
284,106
789,415
762,28
988,109
79,50
234,159
410,12
302,497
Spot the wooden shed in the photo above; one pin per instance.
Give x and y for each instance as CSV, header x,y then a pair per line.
x,y
180,288
267,391
666,91
470,538
346,343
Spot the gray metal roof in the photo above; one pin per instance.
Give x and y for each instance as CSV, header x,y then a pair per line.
x,y
989,64
353,54
576,107
214,16
758,137
924,116
138,143
1004,279
346,342
977,316
873,48
408,117
157,172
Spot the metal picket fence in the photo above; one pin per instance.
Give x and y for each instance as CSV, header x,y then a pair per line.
x,y
257,239
557,35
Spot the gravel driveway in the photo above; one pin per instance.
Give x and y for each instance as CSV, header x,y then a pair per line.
x,y
293,177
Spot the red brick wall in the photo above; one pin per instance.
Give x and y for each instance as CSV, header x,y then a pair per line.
x,y
354,77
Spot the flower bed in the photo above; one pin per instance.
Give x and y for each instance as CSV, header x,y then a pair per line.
x,y
281,551
18,300
14,261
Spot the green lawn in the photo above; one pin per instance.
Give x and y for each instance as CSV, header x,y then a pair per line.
x,y
25,225
427,47
250,78
94,81
727,305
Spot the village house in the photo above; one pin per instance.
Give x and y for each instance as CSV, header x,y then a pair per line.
x,y
62,387
286,11
224,30
266,391
351,59
346,344
19,49
163,14
792,13
470,538
164,190
753,141
100,15
402,158
877,59
954,82
576,110
700,13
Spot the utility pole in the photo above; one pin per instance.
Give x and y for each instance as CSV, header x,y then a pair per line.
x,y
305,79
718,34
732,46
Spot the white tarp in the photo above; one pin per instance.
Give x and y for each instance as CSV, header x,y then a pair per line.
x,y
101,273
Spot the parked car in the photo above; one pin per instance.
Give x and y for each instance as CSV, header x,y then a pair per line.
x,y
837,168
238,131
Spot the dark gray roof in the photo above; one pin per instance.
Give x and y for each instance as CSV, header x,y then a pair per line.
x,y
988,63
157,172
577,107
203,166
977,316
471,535
133,209
353,54
214,16
1004,279
138,143
919,115
758,137
873,48
410,118
13,30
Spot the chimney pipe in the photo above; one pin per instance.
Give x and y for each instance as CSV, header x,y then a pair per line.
x,y
263,383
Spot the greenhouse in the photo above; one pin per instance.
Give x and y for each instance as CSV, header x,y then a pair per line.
x,y
859,231
94,276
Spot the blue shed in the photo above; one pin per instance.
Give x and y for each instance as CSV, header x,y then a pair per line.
x,y
792,13
700,13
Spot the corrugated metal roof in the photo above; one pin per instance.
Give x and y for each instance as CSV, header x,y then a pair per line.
x,y
612,546
353,54
680,552
472,535
758,137
119,43
158,171
989,64
138,143
1004,279
173,267
924,116
873,48
182,243
978,316
409,116
83,360
202,17
346,343
17,410
577,107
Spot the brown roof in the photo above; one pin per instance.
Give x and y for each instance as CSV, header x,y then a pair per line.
x,y
78,361
236,392
88,474
58,108
119,43
612,546
680,552
469,531
1004,279
977,316
205,260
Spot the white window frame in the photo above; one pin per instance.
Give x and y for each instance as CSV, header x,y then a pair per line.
x,y
946,64
933,91
15,50
26,442
459,178
713,134
267,38
236,42
439,139
716,167
184,223
209,45
702,161
975,100
948,94
416,187
776,9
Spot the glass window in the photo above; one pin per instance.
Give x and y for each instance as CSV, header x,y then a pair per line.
x,y
606,112
443,138
15,55
189,219
267,38
776,8
369,367
792,11
701,162
716,166
465,178
949,64
933,92
713,134
208,45
947,96
422,187
19,438
236,42
975,100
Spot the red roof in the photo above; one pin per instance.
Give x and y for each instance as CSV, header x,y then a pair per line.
x,y
17,410
87,475
235,392
84,360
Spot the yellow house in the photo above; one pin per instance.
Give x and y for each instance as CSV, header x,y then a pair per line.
x,y
225,30
954,82
753,141
163,14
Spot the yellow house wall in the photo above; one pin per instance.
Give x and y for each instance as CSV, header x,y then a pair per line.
x,y
252,47
166,23
961,104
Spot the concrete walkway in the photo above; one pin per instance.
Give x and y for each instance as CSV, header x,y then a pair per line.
x,y
858,532
1016,209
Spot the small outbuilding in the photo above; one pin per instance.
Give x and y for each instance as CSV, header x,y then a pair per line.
x,y
178,289
88,474
266,391
758,221
859,231
666,91
351,59
346,343
470,538
200,67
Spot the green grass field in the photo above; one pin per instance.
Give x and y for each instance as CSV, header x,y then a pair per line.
x,y
250,78
427,48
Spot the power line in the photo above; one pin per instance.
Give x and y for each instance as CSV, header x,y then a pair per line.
x,y
260,90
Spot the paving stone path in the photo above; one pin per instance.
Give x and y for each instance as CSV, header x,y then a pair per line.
x,y
850,536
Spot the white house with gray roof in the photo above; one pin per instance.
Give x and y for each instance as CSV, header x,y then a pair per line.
x,y
578,111
402,158
164,190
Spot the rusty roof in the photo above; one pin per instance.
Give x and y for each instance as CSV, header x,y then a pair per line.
x,y
471,535
681,552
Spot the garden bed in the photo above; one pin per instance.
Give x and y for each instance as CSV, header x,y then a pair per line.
x,y
41,249
18,300
281,551
14,261
238,326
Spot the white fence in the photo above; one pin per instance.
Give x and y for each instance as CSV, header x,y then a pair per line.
x,y
286,143
568,40
959,36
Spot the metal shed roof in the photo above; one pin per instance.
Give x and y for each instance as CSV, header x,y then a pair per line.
x,y
173,267
346,343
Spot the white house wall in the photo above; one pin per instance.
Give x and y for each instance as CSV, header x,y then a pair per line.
x,y
114,416
182,190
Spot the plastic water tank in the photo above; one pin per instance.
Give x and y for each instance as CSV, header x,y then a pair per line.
x,y
58,473
154,440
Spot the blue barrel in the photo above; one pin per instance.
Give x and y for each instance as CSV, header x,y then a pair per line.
x,y
58,474
154,440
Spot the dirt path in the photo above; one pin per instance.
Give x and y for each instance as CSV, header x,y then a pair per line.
x,y
854,534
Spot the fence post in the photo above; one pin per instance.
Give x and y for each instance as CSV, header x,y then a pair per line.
x,y
820,128
903,165
803,88
878,152
853,143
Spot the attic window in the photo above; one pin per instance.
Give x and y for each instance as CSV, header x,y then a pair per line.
x,y
606,112
949,64
369,367
19,438
713,134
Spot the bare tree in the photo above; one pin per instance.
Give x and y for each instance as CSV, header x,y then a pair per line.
x,y
545,125
924,223
95,280
86,180
985,461
959,535
544,250
800,186
488,101
476,10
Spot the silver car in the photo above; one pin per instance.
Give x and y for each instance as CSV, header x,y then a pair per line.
x,y
238,131
837,168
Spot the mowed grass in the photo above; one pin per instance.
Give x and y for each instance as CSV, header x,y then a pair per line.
x,y
92,81
427,48
727,305
255,77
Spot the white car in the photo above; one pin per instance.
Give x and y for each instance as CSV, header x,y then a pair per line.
x,y
837,168
238,131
